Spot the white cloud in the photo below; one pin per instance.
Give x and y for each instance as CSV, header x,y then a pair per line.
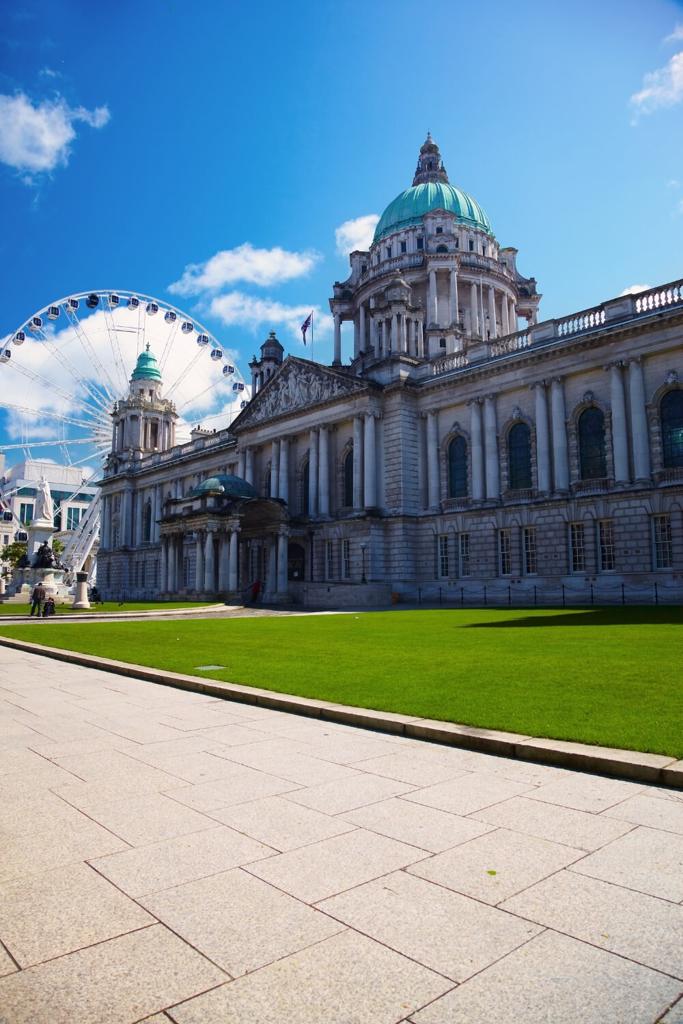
x,y
661,88
237,309
675,36
355,234
37,139
635,289
244,263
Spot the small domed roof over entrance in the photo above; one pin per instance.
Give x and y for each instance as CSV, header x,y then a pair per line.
x,y
227,485
146,367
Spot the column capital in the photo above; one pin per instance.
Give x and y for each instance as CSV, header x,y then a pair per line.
x,y
490,397
557,380
540,384
616,364
475,401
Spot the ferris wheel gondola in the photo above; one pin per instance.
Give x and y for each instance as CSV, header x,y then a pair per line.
x,y
63,369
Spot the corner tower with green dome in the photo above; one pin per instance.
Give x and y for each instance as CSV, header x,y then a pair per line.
x,y
144,421
435,283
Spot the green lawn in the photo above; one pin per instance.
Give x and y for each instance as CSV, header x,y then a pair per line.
x,y
606,676
107,606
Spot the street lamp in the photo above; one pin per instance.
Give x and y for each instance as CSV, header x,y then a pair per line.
x,y
362,548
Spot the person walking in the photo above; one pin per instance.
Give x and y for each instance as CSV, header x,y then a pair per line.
x,y
37,598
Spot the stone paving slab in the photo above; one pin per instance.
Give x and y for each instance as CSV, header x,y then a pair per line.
x,y
495,866
240,922
444,931
556,980
116,982
347,978
639,927
343,914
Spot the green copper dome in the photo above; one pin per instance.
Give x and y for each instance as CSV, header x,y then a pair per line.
x,y
226,484
410,206
146,367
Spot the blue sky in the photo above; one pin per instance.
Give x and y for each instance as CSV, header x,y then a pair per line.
x,y
140,139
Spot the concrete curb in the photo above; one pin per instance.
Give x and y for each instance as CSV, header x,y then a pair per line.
x,y
110,616
624,764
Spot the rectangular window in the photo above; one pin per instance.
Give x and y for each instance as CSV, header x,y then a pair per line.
x,y
442,556
329,559
5,539
504,552
404,247
26,513
471,245
457,243
439,231
346,558
420,243
578,547
388,252
464,553
529,545
606,545
73,518
662,543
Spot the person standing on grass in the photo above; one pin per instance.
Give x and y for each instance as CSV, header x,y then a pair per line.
x,y
37,599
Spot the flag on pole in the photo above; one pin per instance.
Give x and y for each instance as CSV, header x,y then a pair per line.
x,y
306,324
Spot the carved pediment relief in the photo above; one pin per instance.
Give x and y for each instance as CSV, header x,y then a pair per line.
x,y
298,385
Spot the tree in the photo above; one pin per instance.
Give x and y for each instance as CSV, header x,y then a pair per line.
x,y
13,553
57,547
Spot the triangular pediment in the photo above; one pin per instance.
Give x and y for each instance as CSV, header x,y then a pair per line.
x,y
298,385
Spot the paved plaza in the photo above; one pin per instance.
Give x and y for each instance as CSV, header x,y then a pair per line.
x,y
172,857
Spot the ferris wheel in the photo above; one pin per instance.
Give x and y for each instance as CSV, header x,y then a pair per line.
x,y
62,370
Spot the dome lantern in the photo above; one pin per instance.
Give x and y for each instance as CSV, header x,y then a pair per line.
x,y
430,166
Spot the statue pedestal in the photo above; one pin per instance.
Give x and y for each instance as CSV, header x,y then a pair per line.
x,y
39,532
81,596
2,586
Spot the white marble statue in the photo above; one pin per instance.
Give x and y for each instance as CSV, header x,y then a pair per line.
x,y
44,510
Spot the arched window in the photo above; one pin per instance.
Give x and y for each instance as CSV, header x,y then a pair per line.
x,y
592,461
441,248
348,480
457,468
519,457
671,415
305,507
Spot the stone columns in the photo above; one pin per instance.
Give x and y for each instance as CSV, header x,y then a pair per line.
x,y
432,300
199,564
139,510
473,309
126,530
619,429
504,318
337,340
271,578
249,465
282,543
361,328
241,465
324,472
223,562
274,468
420,339
283,487
209,564
512,316
542,435
639,435
357,461
370,461
453,296
163,572
105,519
433,490
491,448
232,559
158,501
171,563
403,344
477,450
395,335
356,337
560,455
493,329
313,474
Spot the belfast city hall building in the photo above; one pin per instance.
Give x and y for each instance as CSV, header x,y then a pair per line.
x,y
464,451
